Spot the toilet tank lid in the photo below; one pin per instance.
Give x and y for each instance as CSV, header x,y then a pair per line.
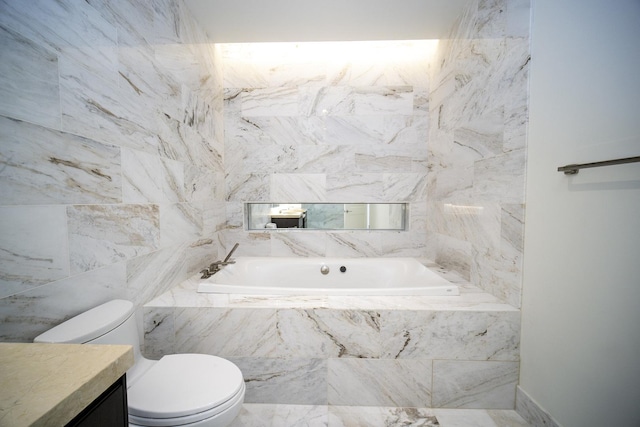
x,y
90,324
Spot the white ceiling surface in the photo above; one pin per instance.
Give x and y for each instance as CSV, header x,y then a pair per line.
x,y
246,21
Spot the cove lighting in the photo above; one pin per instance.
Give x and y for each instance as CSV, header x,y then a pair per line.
x,y
365,51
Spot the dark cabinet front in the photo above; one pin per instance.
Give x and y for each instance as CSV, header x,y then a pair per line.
x,y
108,410
291,222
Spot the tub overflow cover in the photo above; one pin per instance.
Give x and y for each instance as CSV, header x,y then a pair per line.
x,y
324,269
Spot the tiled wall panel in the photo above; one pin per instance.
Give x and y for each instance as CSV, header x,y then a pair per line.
x,y
110,155
324,128
478,107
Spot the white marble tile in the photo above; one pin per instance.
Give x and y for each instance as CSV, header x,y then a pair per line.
x,y
155,273
139,73
372,100
273,380
262,158
260,415
33,247
507,418
151,179
202,185
328,333
226,332
179,223
86,38
463,418
410,243
200,254
355,187
28,80
166,22
501,178
478,107
276,101
383,160
195,149
276,130
372,130
25,315
248,187
531,411
298,187
451,335
474,384
326,100
101,110
104,234
368,382
353,244
44,166
159,332
134,20
328,159
305,244
365,416
405,187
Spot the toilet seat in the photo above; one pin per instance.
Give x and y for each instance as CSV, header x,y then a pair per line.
x,y
194,387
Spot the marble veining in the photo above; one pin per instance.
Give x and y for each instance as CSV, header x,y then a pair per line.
x,y
33,240
477,145
340,350
111,156
45,166
278,415
101,235
474,384
24,92
379,382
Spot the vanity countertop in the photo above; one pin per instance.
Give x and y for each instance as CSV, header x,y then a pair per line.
x,y
49,384
296,213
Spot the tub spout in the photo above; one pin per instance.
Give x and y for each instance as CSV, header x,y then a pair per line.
x,y
231,253
217,265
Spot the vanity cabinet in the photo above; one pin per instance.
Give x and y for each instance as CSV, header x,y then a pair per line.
x,y
108,410
298,222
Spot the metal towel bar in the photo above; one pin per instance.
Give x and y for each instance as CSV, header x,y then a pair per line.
x,y
573,169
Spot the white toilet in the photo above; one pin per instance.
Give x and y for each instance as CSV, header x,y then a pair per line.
x,y
194,390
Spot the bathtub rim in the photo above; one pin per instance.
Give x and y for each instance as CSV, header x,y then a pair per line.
x,y
443,289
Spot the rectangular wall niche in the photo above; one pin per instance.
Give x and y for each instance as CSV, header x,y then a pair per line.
x,y
326,216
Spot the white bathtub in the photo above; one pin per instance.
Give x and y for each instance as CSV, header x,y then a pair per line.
x,y
303,276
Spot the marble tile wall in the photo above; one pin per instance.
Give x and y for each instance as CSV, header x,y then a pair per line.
x,y
478,109
446,133
111,155
300,127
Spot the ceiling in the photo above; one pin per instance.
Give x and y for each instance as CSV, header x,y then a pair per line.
x,y
244,21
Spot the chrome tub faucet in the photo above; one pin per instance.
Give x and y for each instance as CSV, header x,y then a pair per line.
x,y
217,265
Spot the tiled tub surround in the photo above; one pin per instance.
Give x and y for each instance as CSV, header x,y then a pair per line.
x,y
444,130
446,352
318,122
478,115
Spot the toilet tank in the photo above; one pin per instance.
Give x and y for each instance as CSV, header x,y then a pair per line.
x,y
110,323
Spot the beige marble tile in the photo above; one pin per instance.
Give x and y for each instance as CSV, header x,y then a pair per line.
x,y
49,384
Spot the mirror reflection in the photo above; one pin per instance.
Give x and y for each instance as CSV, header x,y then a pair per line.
x,y
326,216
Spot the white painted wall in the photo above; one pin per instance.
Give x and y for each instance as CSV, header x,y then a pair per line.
x,y
242,21
581,301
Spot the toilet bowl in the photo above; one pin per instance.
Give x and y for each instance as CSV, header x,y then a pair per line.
x,y
193,390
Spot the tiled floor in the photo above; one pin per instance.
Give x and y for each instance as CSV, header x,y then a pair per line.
x,y
261,415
